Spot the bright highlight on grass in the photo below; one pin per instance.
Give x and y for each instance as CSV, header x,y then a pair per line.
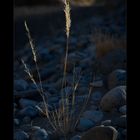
x,y
67,16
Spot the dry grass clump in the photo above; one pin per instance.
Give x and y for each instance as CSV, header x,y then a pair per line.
x,y
62,119
106,43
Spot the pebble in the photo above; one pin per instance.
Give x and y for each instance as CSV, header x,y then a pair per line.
x,y
27,93
94,115
16,121
26,102
97,84
93,107
44,54
85,124
20,85
76,137
39,134
80,99
46,72
96,97
21,135
26,120
28,111
91,50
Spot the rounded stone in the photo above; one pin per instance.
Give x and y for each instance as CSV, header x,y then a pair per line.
x,y
21,135
39,134
115,98
26,102
20,85
101,133
85,124
94,115
28,111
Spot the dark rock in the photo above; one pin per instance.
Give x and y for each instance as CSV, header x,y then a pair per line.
x,y
60,40
16,121
91,51
75,58
85,124
53,100
82,90
24,94
39,134
46,72
26,120
80,99
101,133
120,121
44,54
20,85
117,78
115,98
96,97
52,90
85,63
95,116
29,111
97,83
73,41
21,135
26,102
94,107
76,137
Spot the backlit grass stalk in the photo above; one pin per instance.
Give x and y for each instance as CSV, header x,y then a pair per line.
x,y
39,88
68,25
35,60
46,113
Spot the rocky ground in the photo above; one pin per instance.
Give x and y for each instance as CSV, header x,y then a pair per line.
x,y
104,117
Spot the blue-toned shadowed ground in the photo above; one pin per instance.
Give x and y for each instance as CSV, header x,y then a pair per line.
x,y
97,53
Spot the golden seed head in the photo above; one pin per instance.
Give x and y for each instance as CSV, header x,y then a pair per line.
x,y
67,16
